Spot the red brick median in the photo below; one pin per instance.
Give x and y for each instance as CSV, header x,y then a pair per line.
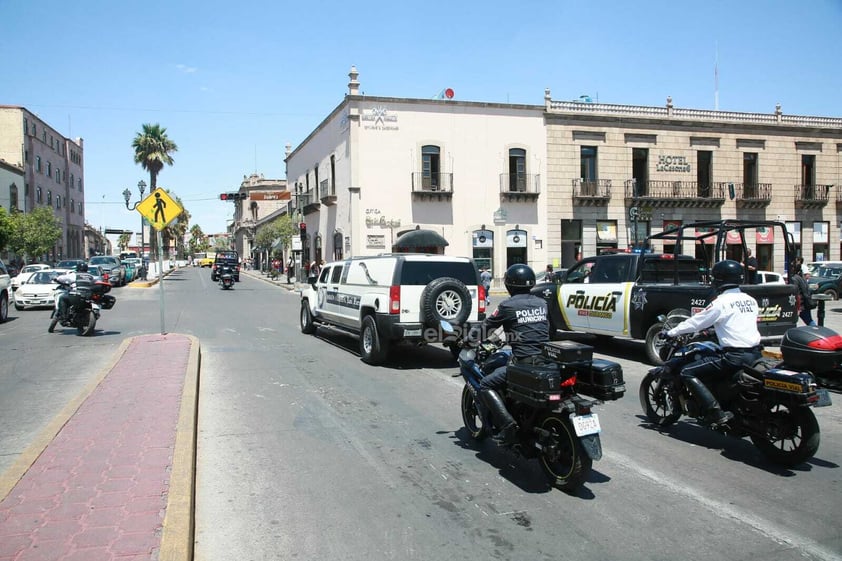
x,y
99,489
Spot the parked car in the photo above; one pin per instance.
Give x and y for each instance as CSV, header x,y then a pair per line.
x,y
67,265
813,266
770,277
37,291
111,265
827,280
5,284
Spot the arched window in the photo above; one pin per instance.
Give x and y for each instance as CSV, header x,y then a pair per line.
x,y
13,197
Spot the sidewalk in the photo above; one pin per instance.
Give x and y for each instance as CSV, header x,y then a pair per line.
x,y
112,476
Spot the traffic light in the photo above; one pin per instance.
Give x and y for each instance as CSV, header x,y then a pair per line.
x,y
235,196
302,228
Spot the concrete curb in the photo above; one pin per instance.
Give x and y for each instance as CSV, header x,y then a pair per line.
x,y
179,521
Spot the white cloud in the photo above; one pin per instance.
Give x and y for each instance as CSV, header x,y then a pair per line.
x,y
186,69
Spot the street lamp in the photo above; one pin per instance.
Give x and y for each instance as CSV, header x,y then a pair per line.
x,y
127,195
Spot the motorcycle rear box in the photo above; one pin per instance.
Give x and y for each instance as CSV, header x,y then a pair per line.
x,y
824,355
533,384
788,381
567,351
602,379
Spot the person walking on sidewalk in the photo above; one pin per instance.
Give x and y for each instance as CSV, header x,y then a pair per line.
x,y
803,294
485,280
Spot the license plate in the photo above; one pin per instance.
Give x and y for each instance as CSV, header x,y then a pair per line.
x,y
412,332
824,398
586,424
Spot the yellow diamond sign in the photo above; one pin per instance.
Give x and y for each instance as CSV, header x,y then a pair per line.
x,y
159,209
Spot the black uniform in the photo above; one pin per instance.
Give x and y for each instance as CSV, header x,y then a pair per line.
x,y
525,320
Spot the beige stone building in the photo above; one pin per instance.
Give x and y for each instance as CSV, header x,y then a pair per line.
x,y
53,170
666,165
263,201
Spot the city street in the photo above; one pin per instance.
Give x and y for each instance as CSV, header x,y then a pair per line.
x,y
306,452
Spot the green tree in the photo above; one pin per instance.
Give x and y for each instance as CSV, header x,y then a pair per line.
x,y
123,240
35,233
6,229
198,241
177,229
281,228
153,150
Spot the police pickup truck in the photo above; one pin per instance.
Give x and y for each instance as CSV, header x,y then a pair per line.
x,y
623,294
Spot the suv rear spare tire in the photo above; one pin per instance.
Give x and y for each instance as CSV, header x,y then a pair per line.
x,y
446,299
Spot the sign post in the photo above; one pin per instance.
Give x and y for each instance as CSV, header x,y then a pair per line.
x,y
160,209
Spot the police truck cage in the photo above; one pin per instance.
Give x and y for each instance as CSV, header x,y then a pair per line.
x,y
711,240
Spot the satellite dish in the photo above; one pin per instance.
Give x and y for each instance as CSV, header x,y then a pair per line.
x,y
448,93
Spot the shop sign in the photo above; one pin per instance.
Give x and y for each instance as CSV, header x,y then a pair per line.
x,y
672,163
379,119
765,234
375,241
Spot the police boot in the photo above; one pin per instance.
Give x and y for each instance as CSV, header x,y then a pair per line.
x,y
713,413
501,416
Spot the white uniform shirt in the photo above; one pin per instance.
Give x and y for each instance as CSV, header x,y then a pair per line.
x,y
733,315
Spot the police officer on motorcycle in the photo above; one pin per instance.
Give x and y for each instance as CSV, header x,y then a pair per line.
x,y
72,279
524,319
733,316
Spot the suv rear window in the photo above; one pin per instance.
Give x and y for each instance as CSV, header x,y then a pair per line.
x,y
227,256
421,273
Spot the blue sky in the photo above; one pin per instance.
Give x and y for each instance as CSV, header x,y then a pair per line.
x,y
234,82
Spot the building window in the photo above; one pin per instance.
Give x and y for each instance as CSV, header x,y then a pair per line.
x,y
640,171
794,228
430,168
38,197
50,198
808,175
517,169
587,169
13,197
58,176
38,163
750,175
606,236
49,169
26,156
483,244
704,172
79,207
34,132
72,206
79,183
333,175
821,245
58,201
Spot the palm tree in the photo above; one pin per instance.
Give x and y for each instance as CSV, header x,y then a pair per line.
x,y
152,150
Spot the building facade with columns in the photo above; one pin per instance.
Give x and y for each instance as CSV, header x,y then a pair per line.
x,y
551,183
263,200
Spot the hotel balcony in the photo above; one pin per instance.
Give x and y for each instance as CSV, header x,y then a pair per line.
x,y
757,195
328,193
520,186
661,194
591,193
811,196
432,186
308,203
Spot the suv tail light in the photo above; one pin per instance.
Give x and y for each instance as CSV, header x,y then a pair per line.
x,y
395,299
482,297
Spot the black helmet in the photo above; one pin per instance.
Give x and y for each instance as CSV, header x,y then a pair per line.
x,y
82,268
727,274
519,279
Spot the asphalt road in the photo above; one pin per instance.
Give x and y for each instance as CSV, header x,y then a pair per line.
x,y
305,452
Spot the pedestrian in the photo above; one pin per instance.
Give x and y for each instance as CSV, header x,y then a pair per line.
x,y
485,280
290,269
751,268
803,294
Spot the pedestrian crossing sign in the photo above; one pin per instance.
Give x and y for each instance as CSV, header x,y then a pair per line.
x,y
159,209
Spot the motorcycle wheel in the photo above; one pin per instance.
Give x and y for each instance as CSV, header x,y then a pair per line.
x,y
88,322
657,402
792,435
562,457
471,415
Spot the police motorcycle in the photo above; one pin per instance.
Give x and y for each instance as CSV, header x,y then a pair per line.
x,y
84,305
770,400
226,277
556,424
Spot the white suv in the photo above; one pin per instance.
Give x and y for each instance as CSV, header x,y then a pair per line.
x,y
392,298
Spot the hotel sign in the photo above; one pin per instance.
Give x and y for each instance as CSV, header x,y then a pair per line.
x,y
672,163
379,119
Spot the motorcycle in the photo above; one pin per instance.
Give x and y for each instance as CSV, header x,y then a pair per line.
x,y
770,401
226,278
84,304
555,423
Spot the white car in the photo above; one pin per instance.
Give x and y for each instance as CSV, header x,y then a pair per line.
x,y
38,290
26,272
769,277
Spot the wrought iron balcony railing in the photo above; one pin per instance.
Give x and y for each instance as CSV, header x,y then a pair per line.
x,y
752,195
327,192
812,196
425,182
520,183
675,193
592,188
